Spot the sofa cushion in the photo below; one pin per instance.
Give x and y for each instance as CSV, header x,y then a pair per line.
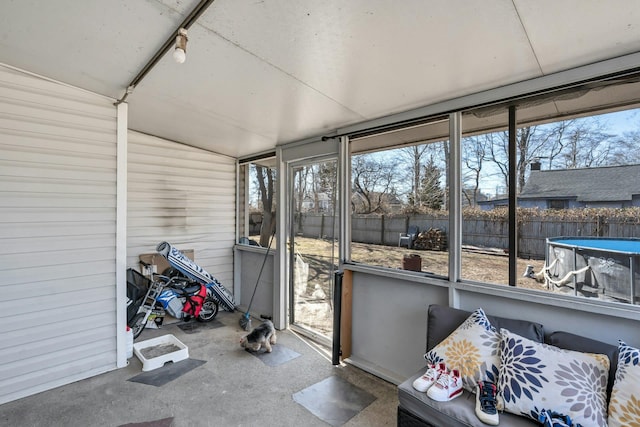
x,y
569,341
473,349
443,320
624,408
459,412
535,376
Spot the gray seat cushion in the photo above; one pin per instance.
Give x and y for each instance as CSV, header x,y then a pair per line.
x,y
459,412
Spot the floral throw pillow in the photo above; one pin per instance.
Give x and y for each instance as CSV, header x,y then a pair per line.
x,y
473,349
536,376
624,408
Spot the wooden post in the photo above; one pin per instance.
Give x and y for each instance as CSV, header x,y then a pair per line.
x,y
345,318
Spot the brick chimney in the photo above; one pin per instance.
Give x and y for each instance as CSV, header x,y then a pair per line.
x,y
535,165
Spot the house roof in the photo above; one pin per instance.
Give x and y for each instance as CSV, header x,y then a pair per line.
x,y
263,73
601,184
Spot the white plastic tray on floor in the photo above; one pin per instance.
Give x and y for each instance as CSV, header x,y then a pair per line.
x,y
159,361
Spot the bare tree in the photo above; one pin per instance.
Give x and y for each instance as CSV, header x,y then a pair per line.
x,y
626,149
414,156
266,183
473,155
587,145
373,179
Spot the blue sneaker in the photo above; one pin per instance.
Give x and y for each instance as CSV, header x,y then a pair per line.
x,y
555,419
486,403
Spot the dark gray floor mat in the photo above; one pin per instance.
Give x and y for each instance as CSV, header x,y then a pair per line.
x,y
334,400
194,326
279,355
165,422
167,373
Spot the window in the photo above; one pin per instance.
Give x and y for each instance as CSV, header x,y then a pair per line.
x,y
557,204
577,180
257,202
399,198
547,206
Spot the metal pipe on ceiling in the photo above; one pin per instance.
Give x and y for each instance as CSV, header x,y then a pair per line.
x,y
186,24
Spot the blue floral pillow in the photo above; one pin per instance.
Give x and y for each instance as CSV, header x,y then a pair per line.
x,y
624,408
473,349
536,376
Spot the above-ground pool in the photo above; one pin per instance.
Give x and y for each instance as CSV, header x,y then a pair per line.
x,y
595,266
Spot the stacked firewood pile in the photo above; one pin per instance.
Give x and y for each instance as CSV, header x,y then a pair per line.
x,y
433,239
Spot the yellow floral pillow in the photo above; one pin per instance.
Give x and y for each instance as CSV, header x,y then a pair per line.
x,y
473,349
624,407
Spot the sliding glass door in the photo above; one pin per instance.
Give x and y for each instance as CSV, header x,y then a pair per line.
x,y
313,247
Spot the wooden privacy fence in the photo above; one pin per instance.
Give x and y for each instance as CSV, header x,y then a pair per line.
x,y
482,232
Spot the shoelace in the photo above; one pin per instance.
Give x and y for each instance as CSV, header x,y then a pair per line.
x,y
444,380
431,373
488,398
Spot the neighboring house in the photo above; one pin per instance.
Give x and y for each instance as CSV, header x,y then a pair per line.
x,y
601,187
323,200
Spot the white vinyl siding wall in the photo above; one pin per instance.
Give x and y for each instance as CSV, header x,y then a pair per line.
x,y
182,195
57,234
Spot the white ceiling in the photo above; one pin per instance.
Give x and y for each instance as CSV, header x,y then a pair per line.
x,y
261,73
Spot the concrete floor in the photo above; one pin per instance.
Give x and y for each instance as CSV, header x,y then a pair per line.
x,y
232,388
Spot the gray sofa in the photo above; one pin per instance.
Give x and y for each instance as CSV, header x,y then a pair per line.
x,y
416,409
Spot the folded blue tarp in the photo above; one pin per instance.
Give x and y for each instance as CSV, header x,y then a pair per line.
x,y
193,271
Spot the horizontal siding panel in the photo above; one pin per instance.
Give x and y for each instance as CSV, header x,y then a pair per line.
x,y
57,343
197,203
61,229
181,189
186,170
73,317
61,302
15,101
47,144
184,234
70,159
191,218
37,273
48,200
53,375
30,171
68,285
87,348
28,215
52,244
58,186
53,258
52,92
42,127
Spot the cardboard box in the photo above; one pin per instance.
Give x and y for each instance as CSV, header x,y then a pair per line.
x,y
160,263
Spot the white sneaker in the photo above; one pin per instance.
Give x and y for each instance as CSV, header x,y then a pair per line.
x,y
447,387
486,403
423,383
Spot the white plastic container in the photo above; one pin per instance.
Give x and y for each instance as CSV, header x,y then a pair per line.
x,y
157,344
129,343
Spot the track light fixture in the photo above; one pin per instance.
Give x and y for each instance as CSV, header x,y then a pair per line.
x,y
180,51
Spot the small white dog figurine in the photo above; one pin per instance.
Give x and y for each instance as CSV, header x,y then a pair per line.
x,y
263,335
